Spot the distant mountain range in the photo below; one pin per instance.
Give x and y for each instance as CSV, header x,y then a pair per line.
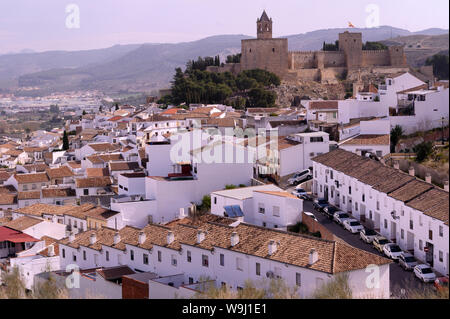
x,y
147,67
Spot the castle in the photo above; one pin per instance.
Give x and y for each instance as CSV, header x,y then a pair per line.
x,y
272,54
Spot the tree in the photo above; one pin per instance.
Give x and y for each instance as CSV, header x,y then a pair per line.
x,y
423,150
65,141
84,112
396,134
338,288
117,106
14,287
100,109
440,65
374,46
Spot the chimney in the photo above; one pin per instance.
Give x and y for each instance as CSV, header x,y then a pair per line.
x,y
200,236
272,247
313,256
93,238
234,239
181,212
51,251
396,165
142,237
98,202
412,171
116,238
71,237
170,237
428,178
446,186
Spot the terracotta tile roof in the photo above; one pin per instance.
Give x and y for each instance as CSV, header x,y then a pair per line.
x,y
8,199
416,88
44,209
79,211
323,105
367,139
6,189
286,123
74,164
58,192
29,195
115,118
395,183
87,182
34,149
101,213
123,166
96,172
31,178
225,122
104,158
4,176
23,223
263,110
59,172
334,257
113,273
39,168
104,147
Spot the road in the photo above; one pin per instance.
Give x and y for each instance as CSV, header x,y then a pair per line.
x,y
399,278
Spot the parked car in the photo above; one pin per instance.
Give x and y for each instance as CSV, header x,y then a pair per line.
x,y
339,217
319,204
424,273
392,251
441,283
379,242
302,176
301,193
330,210
407,261
311,215
367,235
353,226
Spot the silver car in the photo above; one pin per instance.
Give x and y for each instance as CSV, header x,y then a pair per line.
x,y
407,261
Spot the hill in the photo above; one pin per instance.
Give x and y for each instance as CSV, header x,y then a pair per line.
x,y
148,67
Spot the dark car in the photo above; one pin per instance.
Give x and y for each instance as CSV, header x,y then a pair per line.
x,y
319,204
329,211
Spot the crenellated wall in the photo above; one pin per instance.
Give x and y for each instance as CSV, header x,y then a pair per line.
x,y
302,60
375,58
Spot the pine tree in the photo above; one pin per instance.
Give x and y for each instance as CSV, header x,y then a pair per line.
x,y
65,141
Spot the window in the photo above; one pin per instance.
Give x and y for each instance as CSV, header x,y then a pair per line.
x,y
173,260
239,264
159,256
349,189
321,188
86,191
107,255
276,211
223,284
402,234
430,234
441,256
145,259
385,223
411,224
420,244
191,280
356,206
298,279
316,139
378,205
131,254
343,199
205,261
264,224
363,197
258,269
64,253
441,231
189,257
215,200
222,259
261,209
74,257
370,214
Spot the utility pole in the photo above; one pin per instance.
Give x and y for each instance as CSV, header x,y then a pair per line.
x,y
443,130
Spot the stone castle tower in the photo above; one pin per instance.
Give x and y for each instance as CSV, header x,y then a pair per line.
x,y
264,26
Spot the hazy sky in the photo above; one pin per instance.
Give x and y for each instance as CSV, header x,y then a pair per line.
x,y
41,24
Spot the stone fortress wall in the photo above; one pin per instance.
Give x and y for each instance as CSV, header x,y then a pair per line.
x,y
272,54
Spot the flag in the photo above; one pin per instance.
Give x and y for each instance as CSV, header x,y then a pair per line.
x,y
350,25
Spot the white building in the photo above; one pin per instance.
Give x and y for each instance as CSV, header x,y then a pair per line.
x,y
412,213
228,253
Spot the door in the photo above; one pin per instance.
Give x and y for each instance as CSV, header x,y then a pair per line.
x,y
429,256
377,221
325,193
410,242
349,205
394,232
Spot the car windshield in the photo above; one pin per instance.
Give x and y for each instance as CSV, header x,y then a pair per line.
x,y
426,271
331,209
370,232
322,201
383,241
395,249
301,190
410,259
355,224
344,216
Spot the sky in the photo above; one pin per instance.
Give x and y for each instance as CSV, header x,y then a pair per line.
x,y
42,25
